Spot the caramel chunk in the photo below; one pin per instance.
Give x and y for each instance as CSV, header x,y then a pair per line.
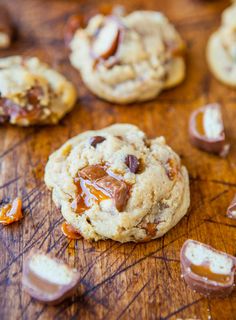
x,y
231,212
11,212
94,184
96,140
206,130
69,231
6,28
172,169
48,279
207,270
132,163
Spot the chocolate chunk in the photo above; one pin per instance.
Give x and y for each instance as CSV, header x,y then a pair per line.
x,y
74,23
117,189
206,270
48,279
93,172
96,140
206,130
96,183
231,212
70,232
6,28
132,163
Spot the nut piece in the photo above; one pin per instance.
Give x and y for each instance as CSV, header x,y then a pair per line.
x,y
206,130
96,140
107,40
48,279
6,29
206,270
11,212
231,212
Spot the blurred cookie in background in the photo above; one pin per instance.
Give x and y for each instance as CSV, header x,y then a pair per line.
x,y
221,48
32,93
124,59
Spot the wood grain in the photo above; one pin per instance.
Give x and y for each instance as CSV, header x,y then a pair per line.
x,y
118,281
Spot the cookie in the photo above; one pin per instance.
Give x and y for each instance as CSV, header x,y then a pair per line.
x,y
221,48
33,93
130,58
116,184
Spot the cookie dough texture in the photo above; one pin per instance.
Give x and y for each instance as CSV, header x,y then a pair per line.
x,y
147,60
157,199
221,48
32,92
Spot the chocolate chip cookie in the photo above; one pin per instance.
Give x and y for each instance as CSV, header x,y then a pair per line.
x,y
116,184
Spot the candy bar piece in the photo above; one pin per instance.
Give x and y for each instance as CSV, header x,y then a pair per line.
x,y
206,270
48,279
6,28
106,42
231,212
206,129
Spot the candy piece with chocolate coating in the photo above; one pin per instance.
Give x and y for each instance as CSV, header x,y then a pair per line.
x,y
231,212
6,28
107,40
206,270
206,129
48,279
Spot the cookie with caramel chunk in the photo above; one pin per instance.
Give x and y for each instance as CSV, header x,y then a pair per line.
x,y
123,187
124,59
32,93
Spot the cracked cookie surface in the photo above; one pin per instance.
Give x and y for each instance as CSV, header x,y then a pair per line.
x,y
130,58
221,48
33,93
116,184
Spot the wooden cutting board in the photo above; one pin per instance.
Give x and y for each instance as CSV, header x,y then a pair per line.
x,y
118,281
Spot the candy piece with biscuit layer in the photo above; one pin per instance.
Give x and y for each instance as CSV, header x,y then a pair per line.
x,y
48,279
206,270
206,129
